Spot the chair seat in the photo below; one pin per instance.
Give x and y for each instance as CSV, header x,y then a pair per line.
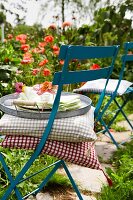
x,y
97,86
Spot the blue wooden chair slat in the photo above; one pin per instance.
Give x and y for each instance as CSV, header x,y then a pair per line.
x,y
128,46
81,76
84,52
65,77
127,58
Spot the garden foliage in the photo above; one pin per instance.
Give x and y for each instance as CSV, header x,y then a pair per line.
x,y
122,175
30,55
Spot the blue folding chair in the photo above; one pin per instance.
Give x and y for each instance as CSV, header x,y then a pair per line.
x,y
128,94
67,53
115,88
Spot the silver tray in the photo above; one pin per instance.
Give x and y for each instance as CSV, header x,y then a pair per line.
x,y
38,114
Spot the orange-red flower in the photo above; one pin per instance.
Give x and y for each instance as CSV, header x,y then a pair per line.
x,y
61,62
27,54
41,50
65,24
6,60
9,36
23,41
22,38
45,87
38,50
43,62
25,47
52,26
27,60
55,48
56,52
42,44
49,39
46,72
95,66
35,50
35,71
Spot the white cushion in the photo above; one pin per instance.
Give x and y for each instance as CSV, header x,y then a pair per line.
x,y
99,84
72,129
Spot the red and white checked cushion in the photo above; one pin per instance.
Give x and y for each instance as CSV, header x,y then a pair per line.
x,y
81,153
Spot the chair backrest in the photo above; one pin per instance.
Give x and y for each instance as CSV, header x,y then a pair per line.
x,y
69,52
126,57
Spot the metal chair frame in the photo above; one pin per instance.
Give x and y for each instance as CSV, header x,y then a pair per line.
x,y
125,97
113,98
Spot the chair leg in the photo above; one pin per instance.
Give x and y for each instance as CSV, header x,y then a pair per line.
x,y
107,130
57,165
116,114
120,109
19,196
72,181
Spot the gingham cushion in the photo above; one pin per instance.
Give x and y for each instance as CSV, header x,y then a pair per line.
x,y
82,153
73,129
99,84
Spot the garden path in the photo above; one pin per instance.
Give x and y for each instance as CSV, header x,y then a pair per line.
x,y
90,181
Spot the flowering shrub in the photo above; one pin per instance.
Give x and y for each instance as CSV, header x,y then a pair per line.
x,y
36,58
36,63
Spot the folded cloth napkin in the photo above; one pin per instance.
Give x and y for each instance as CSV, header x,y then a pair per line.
x,y
46,100
70,102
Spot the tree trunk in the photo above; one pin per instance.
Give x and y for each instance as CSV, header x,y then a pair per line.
x,y
62,10
2,32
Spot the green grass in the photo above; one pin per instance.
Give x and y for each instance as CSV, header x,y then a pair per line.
x,y
16,159
122,176
118,128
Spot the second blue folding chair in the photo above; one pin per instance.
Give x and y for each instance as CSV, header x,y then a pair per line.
x,y
118,91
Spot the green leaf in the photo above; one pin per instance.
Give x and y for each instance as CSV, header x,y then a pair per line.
x,y
4,76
